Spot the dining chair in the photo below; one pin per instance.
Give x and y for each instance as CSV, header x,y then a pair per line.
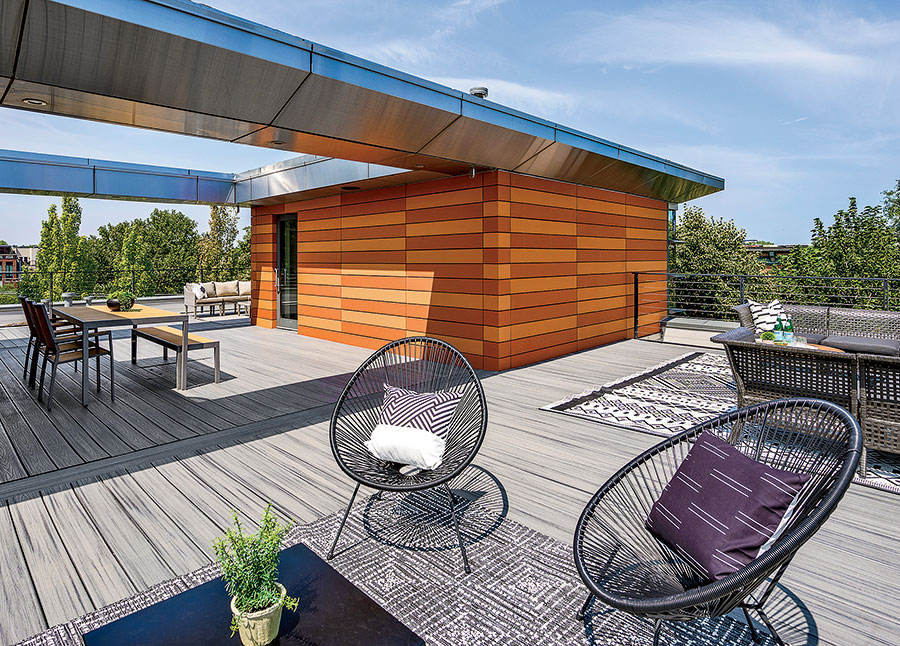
x,y
31,353
66,349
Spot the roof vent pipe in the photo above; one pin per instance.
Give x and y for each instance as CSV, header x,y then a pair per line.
x,y
480,92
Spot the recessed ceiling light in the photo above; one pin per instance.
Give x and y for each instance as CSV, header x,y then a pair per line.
x,y
420,166
32,101
350,188
277,142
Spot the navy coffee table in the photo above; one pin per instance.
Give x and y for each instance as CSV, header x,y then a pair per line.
x,y
332,612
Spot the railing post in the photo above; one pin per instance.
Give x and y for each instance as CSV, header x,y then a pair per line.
x,y
887,294
132,281
743,299
51,287
635,304
201,273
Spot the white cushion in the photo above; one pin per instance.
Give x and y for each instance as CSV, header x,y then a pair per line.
x,y
765,315
406,445
199,291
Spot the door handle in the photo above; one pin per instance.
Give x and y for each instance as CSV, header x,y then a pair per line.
x,y
277,283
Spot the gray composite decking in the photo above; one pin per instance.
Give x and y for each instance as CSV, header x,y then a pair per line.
x,y
102,502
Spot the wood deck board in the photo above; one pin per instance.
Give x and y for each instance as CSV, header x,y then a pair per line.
x,y
549,465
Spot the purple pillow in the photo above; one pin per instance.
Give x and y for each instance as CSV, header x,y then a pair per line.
x,y
723,509
426,411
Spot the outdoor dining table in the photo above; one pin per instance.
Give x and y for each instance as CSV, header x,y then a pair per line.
x,y
94,317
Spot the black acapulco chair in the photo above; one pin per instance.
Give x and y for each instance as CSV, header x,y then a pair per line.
x,y
421,364
627,568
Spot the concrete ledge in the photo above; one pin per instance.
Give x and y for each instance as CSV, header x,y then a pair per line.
x,y
694,331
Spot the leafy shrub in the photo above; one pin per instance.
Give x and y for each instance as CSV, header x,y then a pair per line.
x,y
126,299
249,565
767,336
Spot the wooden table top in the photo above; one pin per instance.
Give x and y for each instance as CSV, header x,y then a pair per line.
x,y
92,316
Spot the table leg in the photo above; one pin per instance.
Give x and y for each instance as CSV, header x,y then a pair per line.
x,y
84,365
184,351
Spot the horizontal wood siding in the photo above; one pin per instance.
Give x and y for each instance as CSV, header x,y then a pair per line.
x,y
510,269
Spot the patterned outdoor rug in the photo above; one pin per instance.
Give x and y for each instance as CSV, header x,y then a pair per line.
x,y
401,550
680,393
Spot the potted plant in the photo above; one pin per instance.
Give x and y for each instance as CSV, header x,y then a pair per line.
x,y
120,301
249,565
68,298
767,337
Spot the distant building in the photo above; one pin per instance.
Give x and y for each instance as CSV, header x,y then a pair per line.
x,y
13,262
769,253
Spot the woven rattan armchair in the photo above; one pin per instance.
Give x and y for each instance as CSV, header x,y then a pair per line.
x,y
879,404
421,364
763,372
626,567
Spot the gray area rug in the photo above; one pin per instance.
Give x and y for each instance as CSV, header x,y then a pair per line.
x,y
401,550
675,395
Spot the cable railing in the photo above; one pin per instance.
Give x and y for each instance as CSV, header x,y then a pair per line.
x,y
712,296
157,281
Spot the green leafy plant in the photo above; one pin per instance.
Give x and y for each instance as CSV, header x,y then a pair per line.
x,y
126,299
249,565
767,336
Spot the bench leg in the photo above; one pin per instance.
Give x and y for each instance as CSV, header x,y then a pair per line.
x,y
165,353
216,361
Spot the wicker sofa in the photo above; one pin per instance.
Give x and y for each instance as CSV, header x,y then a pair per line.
x,y
215,295
864,378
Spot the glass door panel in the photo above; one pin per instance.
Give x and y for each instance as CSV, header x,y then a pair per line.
x,y
286,280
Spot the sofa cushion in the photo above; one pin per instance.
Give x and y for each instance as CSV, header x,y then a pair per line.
x,y
722,509
862,344
198,290
244,288
235,299
811,337
210,289
765,315
229,288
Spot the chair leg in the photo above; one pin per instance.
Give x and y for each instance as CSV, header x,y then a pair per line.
x,y
52,383
165,353
133,346
27,358
657,630
343,520
769,625
754,634
462,547
98,373
112,374
34,363
583,611
43,371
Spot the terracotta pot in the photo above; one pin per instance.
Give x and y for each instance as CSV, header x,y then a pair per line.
x,y
261,627
113,304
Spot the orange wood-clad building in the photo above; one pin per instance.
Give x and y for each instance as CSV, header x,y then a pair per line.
x,y
510,268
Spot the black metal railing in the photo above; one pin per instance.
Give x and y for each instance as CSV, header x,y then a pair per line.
x,y
712,296
162,281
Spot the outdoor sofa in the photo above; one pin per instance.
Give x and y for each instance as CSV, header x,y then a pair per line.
x,y
215,294
864,378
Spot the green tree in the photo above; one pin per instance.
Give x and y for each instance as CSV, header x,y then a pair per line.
x,y
859,243
175,243
242,255
217,247
711,246
137,273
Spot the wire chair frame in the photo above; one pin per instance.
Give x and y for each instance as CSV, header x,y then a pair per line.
x,y
627,568
421,364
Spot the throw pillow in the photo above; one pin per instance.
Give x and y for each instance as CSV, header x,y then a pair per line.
x,y
722,509
765,315
199,291
430,412
406,445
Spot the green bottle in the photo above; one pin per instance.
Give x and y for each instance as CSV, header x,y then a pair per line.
x,y
788,330
779,331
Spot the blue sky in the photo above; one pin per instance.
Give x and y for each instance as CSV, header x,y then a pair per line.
x,y
796,104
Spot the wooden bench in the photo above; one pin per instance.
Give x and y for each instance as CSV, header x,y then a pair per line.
x,y
170,339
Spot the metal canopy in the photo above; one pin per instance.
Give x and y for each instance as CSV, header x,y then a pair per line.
x,y
182,67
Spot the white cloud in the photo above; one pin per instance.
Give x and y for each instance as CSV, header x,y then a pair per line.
x,y
699,34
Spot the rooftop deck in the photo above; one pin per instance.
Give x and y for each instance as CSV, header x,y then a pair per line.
x,y
102,502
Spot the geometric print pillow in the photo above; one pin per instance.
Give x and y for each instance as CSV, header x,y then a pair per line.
x,y
765,315
426,411
722,509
